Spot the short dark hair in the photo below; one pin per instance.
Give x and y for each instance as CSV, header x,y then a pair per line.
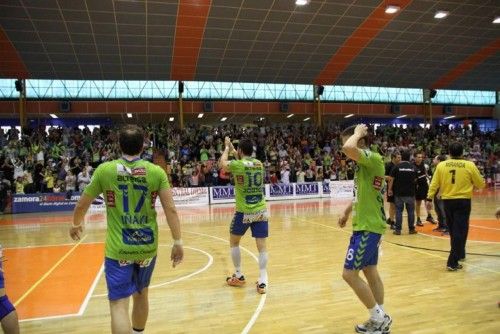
x,y
131,138
349,131
456,149
405,155
441,157
246,146
395,154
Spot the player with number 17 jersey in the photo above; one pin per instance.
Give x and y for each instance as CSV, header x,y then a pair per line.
x,y
130,189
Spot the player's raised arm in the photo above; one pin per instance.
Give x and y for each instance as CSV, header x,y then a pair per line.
x,y
351,147
167,202
224,162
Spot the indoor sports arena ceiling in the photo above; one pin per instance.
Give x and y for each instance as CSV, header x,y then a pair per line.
x,y
351,42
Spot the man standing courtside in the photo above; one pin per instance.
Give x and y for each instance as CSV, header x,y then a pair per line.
x,y
8,313
130,187
368,222
421,188
455,178
401,186
395,159
251,212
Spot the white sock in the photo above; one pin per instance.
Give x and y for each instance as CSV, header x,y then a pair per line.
x,y
382,307
137,332
236,256
376,313
262,267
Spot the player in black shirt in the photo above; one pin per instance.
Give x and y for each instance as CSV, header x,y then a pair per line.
x,y
395,159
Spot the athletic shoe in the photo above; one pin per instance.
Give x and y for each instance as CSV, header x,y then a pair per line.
x,y
235,281
413,231
446,232
396,232
261,288
375,327
391,223
458,266
419,222
431,220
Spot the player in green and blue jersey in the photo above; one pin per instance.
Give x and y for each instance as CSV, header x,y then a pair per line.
x,y
251,212
130,187
368,222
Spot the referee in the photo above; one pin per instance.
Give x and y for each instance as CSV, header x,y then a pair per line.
x,y
455,179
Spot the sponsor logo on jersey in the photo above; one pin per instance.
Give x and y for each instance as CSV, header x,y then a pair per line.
x,y
142,236
139,171
123,170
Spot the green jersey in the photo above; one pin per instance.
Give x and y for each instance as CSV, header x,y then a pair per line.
x,y
368,205
130,189
248,176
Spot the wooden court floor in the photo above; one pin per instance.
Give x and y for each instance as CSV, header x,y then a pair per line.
x,y
58,287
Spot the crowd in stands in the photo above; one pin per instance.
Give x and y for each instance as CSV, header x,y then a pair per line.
x,y
62,159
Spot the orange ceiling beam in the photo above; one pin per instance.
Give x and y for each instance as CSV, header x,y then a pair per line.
x,y
192,18
468,64
359,39
11,64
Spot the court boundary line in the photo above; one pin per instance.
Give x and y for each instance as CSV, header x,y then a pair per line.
x,y
444,238
182,278
263,297
85,303
47,274
54,245
411,249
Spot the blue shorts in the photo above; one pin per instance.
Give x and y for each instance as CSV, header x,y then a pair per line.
x,y
240,225
363,250
2,280
124,278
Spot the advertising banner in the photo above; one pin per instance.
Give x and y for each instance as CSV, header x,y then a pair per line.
x,y
222,195
307,190
342,189
44,202
279,191
189,196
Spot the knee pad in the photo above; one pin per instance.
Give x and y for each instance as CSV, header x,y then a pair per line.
x,y
6,307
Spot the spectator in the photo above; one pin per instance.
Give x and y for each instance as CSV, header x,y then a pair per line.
x,y
70,182
83,179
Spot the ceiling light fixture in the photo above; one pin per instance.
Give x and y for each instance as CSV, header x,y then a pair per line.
x,y
291,115
53,116
347,116
441,14
200,115
129,115
171,119
496,20
261,118
223,119
306,119
402,116
301,2
391,9
448,117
